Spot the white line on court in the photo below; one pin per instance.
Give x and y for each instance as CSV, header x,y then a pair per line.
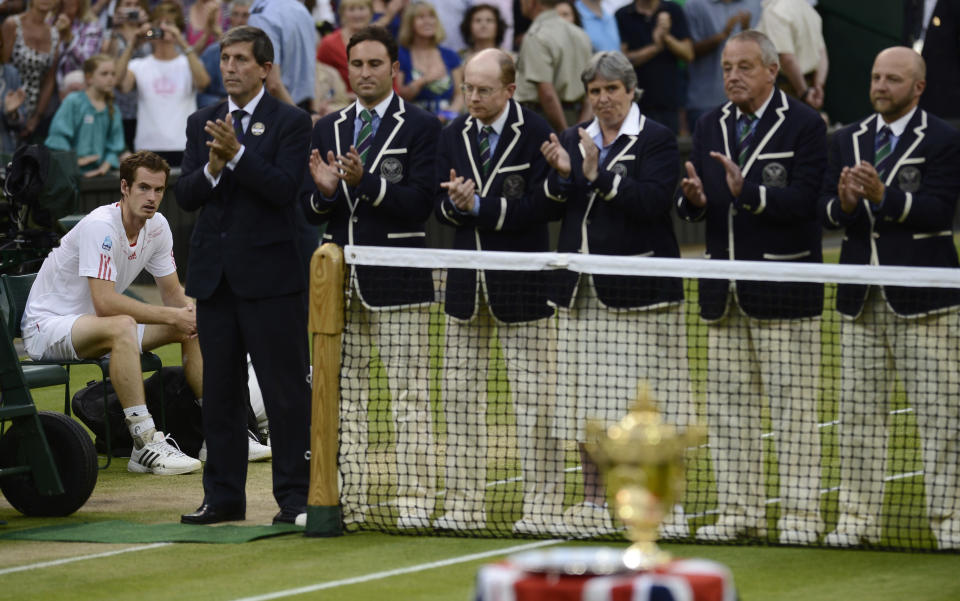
x,y
398,572
66,560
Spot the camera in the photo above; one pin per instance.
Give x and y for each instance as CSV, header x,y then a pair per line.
x,y
132,15
155,33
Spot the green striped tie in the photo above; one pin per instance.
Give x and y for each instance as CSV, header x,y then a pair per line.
x,y
745,137
484,140
883,146
365,137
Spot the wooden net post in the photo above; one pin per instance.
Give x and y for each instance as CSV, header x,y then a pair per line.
x,y
325,326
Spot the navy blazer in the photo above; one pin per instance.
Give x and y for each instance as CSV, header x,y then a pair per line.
x,y
914,223
513,215
247,230
941,51
625,211
775,218
392,202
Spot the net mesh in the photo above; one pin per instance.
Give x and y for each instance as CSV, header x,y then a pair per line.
x,y
822,429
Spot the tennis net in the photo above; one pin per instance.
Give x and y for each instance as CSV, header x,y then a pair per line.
x,y
467,380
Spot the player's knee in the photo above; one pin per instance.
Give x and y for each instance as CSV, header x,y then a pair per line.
x,y
121,330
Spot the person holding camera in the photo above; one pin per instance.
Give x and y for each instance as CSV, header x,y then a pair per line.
x,y
166,83
125,22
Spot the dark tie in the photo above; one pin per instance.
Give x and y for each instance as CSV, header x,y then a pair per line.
x,y
484,140
744,136
365,137
238,116
882,147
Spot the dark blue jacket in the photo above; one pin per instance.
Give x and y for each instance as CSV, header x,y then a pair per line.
x,y
625,211
391,204
247,230
914,223
513,215
775,217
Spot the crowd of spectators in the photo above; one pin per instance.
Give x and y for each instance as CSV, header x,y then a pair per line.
x,y
166,54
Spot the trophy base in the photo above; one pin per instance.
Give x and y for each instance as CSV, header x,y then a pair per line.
x,y
591,561
644,556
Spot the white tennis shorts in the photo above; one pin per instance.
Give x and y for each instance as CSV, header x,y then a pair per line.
x,y
52,338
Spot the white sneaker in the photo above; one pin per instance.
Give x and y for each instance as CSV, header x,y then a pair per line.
x,y
852,531
255,450
161,457
841,539
459,520
588,519
726,530
413,518
947,533
675,525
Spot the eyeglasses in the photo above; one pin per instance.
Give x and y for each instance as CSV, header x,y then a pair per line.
x,y
482,92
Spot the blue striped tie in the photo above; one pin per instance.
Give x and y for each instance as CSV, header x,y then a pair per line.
x,y
365,137
744,136
484,140
882,148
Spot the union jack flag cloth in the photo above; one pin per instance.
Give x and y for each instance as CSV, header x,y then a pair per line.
x,y
681,580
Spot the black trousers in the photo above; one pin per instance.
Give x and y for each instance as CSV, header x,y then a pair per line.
x,y
274,331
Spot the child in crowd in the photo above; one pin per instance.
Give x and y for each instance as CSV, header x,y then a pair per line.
x,y
88,123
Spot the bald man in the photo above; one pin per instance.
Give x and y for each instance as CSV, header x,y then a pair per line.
x,y
892,185
494,172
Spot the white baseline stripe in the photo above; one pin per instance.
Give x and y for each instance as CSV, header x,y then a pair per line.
x,y
398,572
66,560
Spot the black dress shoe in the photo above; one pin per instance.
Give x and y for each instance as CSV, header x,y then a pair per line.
x,y
288,515
208,514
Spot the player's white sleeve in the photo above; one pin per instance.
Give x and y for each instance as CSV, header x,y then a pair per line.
x,y
96,246
161,262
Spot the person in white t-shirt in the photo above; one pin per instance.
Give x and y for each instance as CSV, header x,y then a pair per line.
x,y
76,308
166,83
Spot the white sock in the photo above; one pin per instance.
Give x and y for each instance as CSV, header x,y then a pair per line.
x,y
141,427
135,410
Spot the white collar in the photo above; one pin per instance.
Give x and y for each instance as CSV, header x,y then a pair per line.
x,y
898,126
629,127
499,123
763,107
380,109
250,106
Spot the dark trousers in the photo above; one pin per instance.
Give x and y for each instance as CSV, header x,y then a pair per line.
x,y
274,331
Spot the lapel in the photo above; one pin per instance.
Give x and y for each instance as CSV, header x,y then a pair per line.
x,y
509,138
263,115
862,140
728,129
469,135
342,140
390,125
908,142
771,121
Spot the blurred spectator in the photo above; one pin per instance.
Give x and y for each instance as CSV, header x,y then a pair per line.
x,y
551,59
35,62
88,123
794,27
653,35
11,7
323,13
81,36
128,16
568,12
239,14
330,93
166,82
14,114
506,12
711,23
482,27
600,25
387,13
294,38
205,23
933,29
450,13
431,73
354,16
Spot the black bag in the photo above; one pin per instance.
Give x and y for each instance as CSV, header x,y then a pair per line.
x,y
46,182
182,413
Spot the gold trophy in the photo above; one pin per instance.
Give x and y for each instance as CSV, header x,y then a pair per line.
x,y
642,460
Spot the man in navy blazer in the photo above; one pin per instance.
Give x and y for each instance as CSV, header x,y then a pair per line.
x,y
614,179
384,199
245,161
754,174
892,185
492,196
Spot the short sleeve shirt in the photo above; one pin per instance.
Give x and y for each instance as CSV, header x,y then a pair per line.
x,y
554,51
794,28
659,78
97,247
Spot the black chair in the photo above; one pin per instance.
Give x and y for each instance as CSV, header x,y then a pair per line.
x,y
16,288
